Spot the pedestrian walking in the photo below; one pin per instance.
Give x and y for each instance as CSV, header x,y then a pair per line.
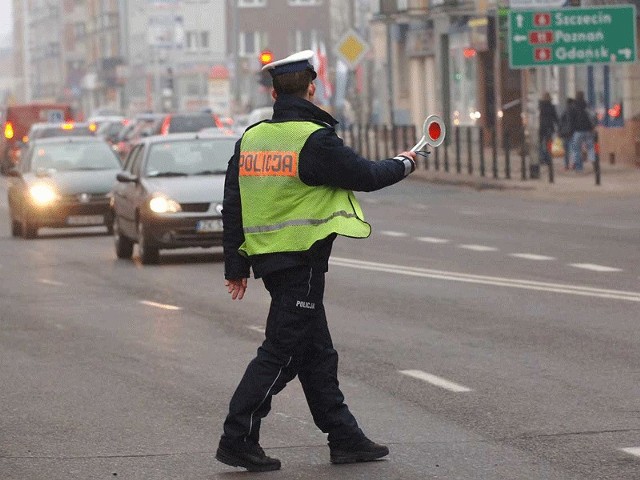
x,y
547,125
584,123
565,130
288,194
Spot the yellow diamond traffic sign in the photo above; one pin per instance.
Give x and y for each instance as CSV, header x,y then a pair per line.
x,y
352,48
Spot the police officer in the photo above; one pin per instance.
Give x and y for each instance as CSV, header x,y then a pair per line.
x,y
288,194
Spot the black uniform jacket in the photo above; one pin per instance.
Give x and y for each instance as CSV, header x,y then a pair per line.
x,y
324,160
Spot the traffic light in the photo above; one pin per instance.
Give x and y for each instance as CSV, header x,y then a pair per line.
x,y
264,78
170,78
266,56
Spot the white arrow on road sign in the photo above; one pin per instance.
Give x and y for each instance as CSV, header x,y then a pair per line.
x,y
519,38
626,52
520,20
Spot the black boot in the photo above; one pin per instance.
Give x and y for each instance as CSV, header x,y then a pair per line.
x,y
363,450
247,455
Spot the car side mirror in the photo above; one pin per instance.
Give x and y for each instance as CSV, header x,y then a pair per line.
x,y
126,177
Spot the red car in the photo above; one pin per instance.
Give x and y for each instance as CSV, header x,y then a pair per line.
x,y
17,121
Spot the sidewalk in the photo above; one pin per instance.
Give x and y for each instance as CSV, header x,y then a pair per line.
x,y
615,180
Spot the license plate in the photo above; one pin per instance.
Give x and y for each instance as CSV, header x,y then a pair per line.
x,y
204,226
85,220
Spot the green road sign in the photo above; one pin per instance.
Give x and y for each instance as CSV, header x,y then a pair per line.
x,y
572,36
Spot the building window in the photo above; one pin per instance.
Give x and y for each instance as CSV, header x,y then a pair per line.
x,y
191,38
252,3
251,43
196,40
204,39
463,79
303,39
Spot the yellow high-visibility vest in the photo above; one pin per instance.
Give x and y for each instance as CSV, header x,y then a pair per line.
x,y
280,213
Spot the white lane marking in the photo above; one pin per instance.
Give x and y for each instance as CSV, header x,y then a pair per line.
x,y
164,306
595,268
256,328
531,256
435,380
390,233
46,281
488,280
632,451
478,248
432,240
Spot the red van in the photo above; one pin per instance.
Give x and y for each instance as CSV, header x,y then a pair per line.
x,y
16,121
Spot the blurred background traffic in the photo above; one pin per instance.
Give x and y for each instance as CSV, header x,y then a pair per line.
x,y
380,62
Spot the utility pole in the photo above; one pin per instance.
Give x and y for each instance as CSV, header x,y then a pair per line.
x,y
389,21
26,31
497,81
235,84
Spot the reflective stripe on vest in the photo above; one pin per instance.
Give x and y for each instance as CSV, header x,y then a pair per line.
x,y
297,223
279,212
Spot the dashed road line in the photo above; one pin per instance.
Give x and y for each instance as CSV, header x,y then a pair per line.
x,y
531,256
256,328
46,281
432,240
435,380
478,248
489,280
485,248
635,451
163,306
595,268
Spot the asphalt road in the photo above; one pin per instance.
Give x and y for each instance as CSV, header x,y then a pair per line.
x,y
482,335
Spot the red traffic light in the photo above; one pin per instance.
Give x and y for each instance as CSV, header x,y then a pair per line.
x,y
266,56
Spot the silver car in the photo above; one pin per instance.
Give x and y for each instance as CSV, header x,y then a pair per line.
x,y
62,182
169,194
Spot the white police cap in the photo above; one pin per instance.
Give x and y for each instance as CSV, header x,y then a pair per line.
x,y
297,62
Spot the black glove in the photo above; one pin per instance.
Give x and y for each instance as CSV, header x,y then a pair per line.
x,y
408,162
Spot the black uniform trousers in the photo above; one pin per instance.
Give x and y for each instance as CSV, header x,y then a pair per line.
x,y
297,343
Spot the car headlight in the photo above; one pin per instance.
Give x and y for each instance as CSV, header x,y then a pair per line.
x,y
42,194
162,204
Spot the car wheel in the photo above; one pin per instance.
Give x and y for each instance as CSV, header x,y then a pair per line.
x,y
124,245
16,228
149,255
29,230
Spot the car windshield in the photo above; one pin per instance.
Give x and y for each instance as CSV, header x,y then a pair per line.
x,y
203,156
190,123
74,156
